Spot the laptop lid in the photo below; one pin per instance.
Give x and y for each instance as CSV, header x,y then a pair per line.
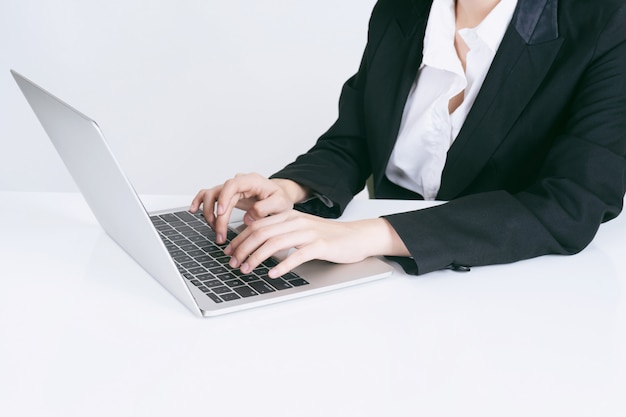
x,y
84,150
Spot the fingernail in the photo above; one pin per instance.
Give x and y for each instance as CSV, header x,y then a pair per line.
x,y
273,273
245,268
219,238
227,250
220,210
233,262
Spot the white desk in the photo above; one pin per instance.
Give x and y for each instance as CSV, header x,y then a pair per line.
x,y
84,331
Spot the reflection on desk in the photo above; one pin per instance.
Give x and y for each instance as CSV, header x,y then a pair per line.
x,y
85,331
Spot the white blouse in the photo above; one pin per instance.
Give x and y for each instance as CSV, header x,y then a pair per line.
x,y
428,129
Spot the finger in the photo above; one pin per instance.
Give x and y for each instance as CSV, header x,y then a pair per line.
x,y
266,241
208,208
305,252
246,234
222,220
295,259
205,199
197,200
265,250
239,186
208,205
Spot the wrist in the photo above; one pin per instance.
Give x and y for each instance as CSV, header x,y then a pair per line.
x,y
295,192
382,239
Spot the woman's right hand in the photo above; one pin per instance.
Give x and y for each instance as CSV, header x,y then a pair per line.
x,y
258,196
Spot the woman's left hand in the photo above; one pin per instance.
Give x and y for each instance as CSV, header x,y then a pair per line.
x,y
313,238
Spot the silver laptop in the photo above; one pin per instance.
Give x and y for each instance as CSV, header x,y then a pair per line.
x,y
174,246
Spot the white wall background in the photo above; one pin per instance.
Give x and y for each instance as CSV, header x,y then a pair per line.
x,y
188,92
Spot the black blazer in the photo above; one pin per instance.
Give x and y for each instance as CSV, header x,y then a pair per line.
x,y
540,160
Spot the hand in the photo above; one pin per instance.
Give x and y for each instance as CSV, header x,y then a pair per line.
x,y
313,238
257,195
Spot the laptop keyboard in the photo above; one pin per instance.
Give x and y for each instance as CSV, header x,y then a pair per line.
x,y
201,261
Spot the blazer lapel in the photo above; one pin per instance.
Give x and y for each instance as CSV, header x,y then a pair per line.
x,y
525,55
401,64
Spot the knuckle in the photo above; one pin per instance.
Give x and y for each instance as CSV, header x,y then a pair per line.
x,y
300,222
258,210
299,257
254,227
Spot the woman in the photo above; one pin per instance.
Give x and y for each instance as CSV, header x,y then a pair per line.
x,y
512,111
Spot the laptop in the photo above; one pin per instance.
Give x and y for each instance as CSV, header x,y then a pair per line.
x,y
174,246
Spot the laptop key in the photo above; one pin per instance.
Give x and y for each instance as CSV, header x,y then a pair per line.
x,y
189,264
298,282
205,246
295,279
261,270
214,297
205,277
277,283
230,296
261,287
225,277
234,283
175,252
206,231
290,275
176,224
218,270
196,271
186,231
221,290
214,251
212,283
169,217
177,238
209,264
182,258
245,291
222,259
248,277
185,216
270,262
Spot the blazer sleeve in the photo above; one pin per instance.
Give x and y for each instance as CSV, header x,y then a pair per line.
x,y
581,182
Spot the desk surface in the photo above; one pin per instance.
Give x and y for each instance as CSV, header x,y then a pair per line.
x,y
84,331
